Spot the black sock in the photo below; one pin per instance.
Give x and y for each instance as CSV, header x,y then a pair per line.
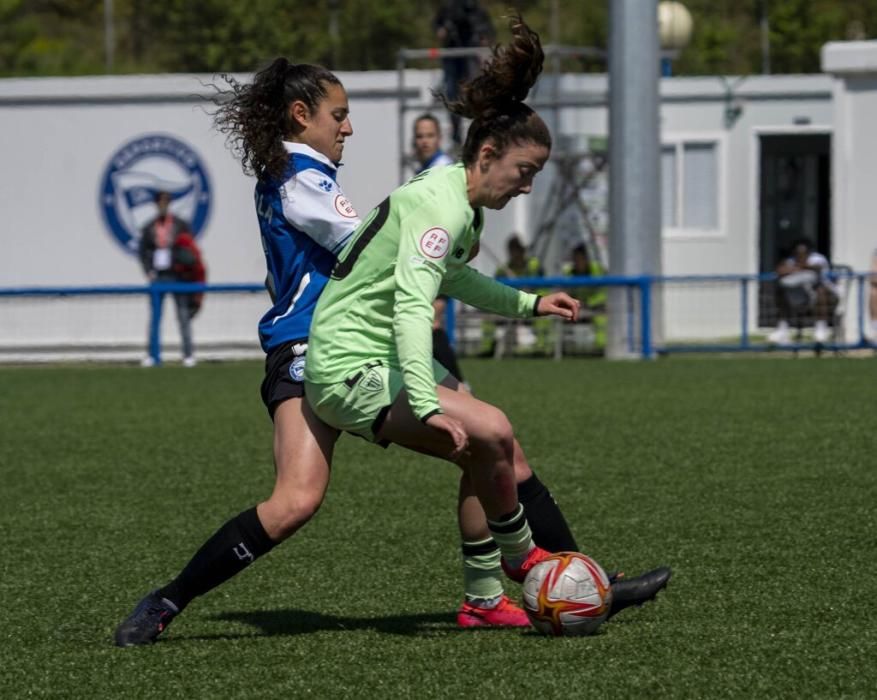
x,y
549,527
231,549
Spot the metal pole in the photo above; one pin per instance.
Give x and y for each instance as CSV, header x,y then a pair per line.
x,y
765,39
109,35
860,312
646,318
334,33
634,173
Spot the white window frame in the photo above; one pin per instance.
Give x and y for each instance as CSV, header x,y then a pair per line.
x,y
678,141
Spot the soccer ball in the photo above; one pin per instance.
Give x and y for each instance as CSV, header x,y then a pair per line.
x,y
567,595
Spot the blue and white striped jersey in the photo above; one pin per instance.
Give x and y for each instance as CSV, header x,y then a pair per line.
x,y
305,223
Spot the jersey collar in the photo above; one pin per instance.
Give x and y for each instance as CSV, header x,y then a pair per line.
x,y
432,159
302,149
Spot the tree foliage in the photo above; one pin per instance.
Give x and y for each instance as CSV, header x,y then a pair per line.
x,y
67,37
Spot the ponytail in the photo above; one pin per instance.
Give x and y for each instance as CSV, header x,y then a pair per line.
x,y
494,99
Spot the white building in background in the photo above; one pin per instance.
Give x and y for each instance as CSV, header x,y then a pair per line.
x,y
853,66
748,165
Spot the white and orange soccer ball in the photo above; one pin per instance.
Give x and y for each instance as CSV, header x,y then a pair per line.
x,y
568,594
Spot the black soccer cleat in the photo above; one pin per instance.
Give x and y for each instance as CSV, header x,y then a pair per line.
x,y
150,618
627,592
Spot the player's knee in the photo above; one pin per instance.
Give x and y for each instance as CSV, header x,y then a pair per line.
x,y
499,434
293,512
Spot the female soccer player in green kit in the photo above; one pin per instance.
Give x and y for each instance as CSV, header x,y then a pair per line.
x,y
370,369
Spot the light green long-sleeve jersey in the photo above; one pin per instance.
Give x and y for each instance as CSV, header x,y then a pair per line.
x,y
378,304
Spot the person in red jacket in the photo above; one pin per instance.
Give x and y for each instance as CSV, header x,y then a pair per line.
x,y
168,254
189,266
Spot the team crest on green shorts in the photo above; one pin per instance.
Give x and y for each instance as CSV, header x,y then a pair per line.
x,y
372,381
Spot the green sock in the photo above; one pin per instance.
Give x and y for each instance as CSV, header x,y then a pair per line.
x,y
513,536
482,574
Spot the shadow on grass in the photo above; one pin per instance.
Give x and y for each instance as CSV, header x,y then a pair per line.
x,y
271,623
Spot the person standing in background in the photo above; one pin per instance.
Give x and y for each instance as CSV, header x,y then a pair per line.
x,y
162,240
461,24
428,144
593,299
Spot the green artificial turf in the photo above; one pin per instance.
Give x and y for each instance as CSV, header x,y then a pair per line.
x,y
754,478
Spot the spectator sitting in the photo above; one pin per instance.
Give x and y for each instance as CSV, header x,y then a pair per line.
x,y
519,264
534,336
593,299
804,288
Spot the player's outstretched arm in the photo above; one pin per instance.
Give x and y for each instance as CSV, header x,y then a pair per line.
x,y
485,293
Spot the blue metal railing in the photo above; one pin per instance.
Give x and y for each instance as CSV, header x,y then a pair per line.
x,y
155,292
642,285
861,279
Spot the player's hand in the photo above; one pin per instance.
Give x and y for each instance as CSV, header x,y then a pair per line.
x,y
454,428
559,304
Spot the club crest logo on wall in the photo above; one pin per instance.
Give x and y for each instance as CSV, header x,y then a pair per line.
x,y
138,171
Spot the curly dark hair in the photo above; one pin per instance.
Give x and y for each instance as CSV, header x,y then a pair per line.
x,y
493,99
255,116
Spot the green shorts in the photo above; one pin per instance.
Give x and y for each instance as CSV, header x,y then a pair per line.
x,y
360,403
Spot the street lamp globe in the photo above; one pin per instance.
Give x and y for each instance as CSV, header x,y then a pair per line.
x,y
674,25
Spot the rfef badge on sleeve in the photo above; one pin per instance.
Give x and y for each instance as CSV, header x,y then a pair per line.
x,y
434,243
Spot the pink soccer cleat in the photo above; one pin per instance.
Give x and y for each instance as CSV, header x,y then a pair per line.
x,y
534,556
504,614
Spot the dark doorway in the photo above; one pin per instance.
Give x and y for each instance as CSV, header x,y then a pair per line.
x,y
795,203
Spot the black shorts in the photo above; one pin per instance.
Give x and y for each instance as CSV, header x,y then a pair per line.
x,y
284,374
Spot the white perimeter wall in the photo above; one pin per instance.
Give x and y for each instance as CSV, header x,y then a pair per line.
x,y
56,136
